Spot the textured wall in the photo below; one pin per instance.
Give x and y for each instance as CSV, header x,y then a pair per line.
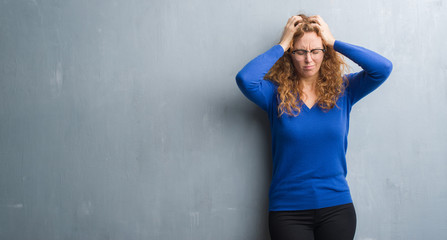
x,y
122,119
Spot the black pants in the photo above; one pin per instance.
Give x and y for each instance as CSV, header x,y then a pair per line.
x,y
337,223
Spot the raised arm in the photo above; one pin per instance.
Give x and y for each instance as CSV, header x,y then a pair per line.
x,y
251,78
376,68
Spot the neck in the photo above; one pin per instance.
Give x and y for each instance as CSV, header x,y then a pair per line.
x,y
308,83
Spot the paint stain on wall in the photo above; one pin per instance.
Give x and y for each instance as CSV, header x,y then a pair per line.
x,y
56,80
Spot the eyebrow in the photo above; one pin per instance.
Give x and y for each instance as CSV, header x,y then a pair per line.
x,y
310,49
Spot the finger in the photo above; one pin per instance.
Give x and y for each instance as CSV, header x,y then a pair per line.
x,y
297,24
295,19
320,20
298,17
315,19
294,22
316,25
290,20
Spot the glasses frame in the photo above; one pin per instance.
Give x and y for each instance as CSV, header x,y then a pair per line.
x,y
306,52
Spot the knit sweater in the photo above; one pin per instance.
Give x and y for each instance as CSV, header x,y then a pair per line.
x,y
309,150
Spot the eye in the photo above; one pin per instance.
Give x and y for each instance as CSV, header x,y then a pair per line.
x,y
300,52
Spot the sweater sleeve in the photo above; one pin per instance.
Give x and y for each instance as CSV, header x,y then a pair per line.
x,y
376,70
250,79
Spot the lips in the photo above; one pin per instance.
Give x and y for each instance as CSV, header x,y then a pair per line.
x,y
308,67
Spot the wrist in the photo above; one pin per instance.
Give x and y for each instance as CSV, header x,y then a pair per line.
x,y
331,42
284,45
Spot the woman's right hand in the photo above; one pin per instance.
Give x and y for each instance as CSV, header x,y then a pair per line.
x,y
289,31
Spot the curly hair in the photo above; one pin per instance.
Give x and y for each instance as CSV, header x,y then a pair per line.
x,y
329,86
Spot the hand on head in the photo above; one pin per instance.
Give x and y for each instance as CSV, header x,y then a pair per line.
x,y
326,34
289,30
295,22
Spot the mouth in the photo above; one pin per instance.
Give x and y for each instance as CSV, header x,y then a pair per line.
x,y
308,67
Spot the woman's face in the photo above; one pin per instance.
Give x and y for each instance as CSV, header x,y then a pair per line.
x,y
308,63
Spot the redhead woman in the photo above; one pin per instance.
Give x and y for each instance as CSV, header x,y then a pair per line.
x,y
302,85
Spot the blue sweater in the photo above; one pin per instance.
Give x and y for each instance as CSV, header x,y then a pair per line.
x,y
309,151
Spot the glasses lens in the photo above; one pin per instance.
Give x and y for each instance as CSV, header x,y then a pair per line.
x,y
316,53
300,52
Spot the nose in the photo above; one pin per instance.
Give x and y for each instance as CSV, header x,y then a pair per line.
x,y
308,57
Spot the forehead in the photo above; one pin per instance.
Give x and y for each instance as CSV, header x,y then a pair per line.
x,y
309,40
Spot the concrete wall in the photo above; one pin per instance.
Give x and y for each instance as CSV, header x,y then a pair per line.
x,y
122,119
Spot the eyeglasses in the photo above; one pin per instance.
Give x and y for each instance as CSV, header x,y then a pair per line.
x,y
314,53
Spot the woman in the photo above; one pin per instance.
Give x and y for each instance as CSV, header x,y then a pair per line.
x,y
301,85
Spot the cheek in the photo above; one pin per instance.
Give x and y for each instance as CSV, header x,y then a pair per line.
x,y
319,64
297,64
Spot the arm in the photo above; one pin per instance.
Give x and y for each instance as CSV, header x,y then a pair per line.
x,y
251,78
376,70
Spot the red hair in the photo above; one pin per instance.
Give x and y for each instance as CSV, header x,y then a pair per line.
x,y
329,86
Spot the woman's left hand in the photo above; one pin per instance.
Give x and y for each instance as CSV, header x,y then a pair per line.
x,y
324,29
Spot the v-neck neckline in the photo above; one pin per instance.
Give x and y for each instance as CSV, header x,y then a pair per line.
x,y
307,107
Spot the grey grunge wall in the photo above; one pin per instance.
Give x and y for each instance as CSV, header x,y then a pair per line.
x,y
122,119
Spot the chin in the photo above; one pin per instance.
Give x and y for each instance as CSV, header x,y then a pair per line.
x,y
309,74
